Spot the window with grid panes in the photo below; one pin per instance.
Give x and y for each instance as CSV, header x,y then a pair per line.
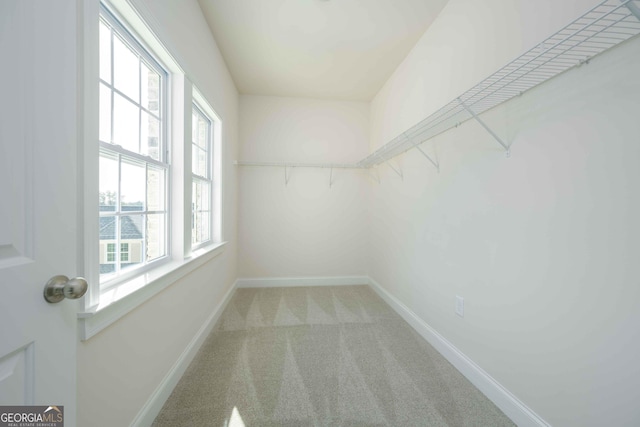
x,y
133,166
111,252
201,167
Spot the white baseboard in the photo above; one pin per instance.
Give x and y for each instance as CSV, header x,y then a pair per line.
x,y
277,282
152,408
517,411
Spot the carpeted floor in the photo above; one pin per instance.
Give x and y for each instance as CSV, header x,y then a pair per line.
x,y
321,356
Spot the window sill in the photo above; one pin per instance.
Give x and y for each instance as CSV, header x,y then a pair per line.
x,y
119,300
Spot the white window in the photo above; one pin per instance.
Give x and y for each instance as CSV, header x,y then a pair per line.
x,y
201,181
133,168
160,204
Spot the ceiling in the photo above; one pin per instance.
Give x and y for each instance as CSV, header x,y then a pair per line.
x,y
337,49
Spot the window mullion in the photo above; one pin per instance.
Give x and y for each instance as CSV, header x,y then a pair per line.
x,y
146,187
117,149
128,98
111,83
145,217
145,238
139,104
209,151
119,217
200,177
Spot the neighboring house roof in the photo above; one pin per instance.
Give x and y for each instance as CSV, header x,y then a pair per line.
x,y
130,227
107,268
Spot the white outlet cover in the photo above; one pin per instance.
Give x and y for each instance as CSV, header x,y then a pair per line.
x,y
459,306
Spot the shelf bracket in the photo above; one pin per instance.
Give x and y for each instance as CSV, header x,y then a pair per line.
x,y
399,172
330,177
635,10
433,162
479,120
391,166
287,175
376,177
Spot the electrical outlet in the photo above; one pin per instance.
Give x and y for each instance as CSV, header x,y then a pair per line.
x,y
459,306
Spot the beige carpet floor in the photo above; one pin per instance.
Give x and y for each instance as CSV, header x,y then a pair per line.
x,y
321,356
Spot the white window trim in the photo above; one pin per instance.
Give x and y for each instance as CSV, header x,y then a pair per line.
x,y
217,150
208,177
215,171
101,308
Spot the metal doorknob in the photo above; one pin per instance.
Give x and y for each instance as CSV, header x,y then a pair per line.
x,y
61,287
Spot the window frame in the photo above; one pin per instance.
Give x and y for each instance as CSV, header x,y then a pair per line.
x,y
217,173
122,155
102,306
209,179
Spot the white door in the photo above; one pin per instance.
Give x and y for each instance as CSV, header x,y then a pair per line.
x,y
38,201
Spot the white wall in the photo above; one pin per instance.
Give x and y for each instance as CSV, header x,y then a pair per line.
x,y
304,228
122,365
543,245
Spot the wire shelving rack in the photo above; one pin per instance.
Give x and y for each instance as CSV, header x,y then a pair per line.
x,y
606,25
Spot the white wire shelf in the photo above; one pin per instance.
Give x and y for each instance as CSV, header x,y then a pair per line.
x,y
606,25
609,23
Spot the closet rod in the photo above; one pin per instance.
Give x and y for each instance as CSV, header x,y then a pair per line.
x,y
299,165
